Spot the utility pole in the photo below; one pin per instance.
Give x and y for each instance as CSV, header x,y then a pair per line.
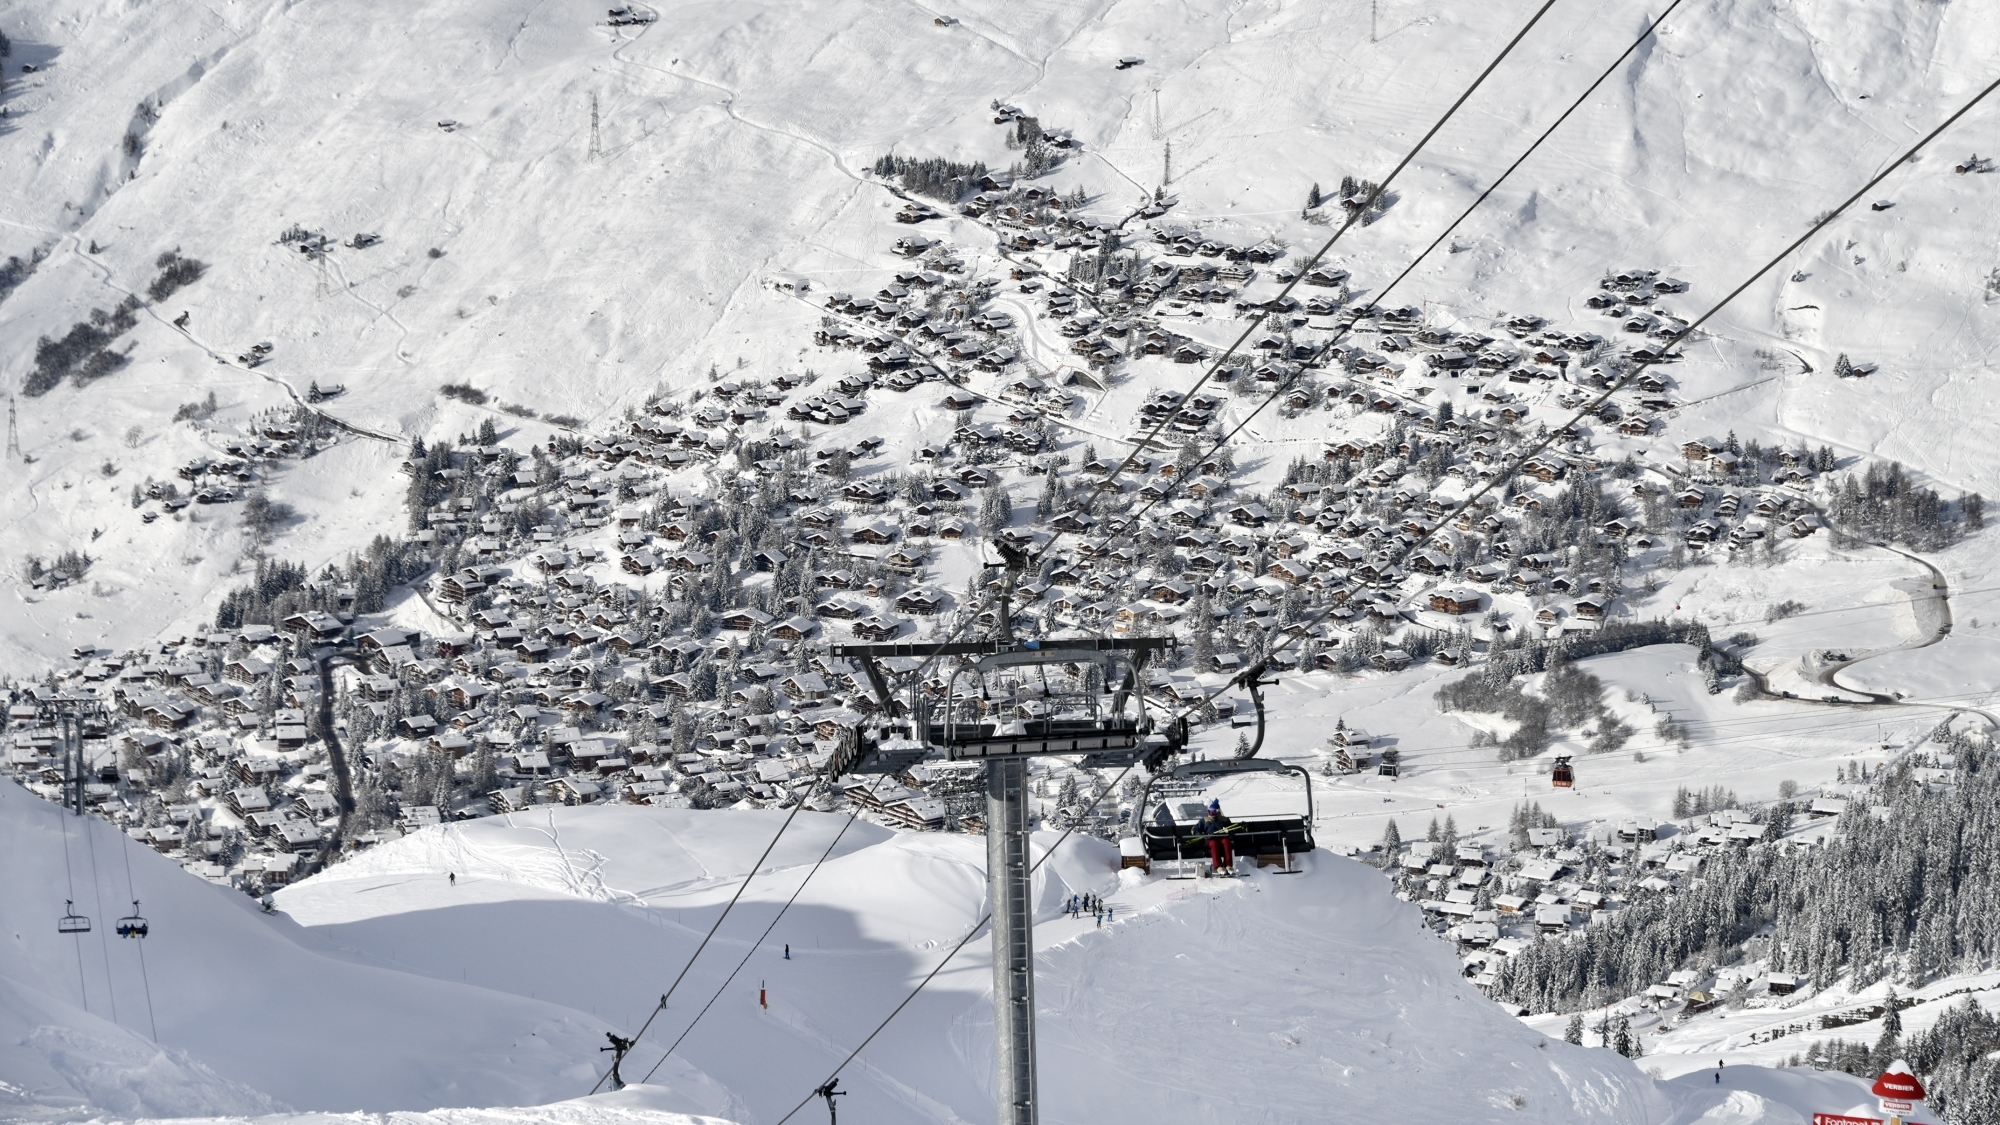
x,y
596,142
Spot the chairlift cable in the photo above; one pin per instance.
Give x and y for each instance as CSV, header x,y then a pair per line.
x,y
145,979
1352,218
962,942
720,918
759,943
97,890
1341,332
82,988
1354,215
1543,444
1590,408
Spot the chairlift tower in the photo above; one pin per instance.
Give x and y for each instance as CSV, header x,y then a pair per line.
x,y
1000,708
67,714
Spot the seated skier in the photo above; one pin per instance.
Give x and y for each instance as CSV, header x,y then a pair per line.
x,y
1215,826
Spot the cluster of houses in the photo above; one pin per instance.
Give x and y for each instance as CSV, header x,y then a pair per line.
x,y
1491,906
590,658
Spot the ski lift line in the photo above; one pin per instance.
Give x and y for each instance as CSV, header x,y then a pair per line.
x,y
720,918
761,938
96,889
962,942
1341,332
67,924
145,979
1590,409
1353,217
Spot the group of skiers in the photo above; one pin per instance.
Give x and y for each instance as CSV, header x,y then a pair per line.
x,y
1087,903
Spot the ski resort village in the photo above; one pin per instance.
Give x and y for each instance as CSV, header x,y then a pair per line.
x,y
935,563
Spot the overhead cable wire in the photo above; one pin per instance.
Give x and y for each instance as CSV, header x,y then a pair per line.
x,y
1590,409
1354,215
759,943
962,943
144,979
1619,384
1342,331
719,919
97,890
83,989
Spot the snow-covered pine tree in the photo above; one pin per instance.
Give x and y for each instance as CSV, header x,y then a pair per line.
x,y
1392,844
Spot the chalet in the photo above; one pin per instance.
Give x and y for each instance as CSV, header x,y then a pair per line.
x,y
1700,449
920,601
745,619
1456,601
246,670
1286,570
162,713
315,624
877,534
382,640
876,627
1249,515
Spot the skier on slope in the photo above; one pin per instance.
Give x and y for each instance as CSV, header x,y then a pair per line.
x,y
1215,826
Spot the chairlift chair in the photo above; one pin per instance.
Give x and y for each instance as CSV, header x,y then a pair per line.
x,y
1563,777
132,925
1256,793
72,922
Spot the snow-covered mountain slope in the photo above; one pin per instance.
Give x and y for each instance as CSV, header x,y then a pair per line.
x,y
388,984
252,1011
637,1105
1273,995
732,144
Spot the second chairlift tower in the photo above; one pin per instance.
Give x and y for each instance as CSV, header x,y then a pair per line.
x,y
1000,708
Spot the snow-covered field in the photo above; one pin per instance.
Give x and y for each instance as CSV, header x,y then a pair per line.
x,y
385,985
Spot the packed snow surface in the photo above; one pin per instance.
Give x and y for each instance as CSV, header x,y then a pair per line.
x,y
385,984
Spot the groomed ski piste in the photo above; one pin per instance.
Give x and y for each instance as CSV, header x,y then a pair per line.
x,y
386,987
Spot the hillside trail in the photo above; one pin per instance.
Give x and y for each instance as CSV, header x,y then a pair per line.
x,y
109,281
1936,592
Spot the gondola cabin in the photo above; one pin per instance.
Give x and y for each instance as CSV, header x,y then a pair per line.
x,y
1563,777
1270,804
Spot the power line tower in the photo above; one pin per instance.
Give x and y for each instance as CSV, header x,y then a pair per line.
x,y
596,141
13,433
